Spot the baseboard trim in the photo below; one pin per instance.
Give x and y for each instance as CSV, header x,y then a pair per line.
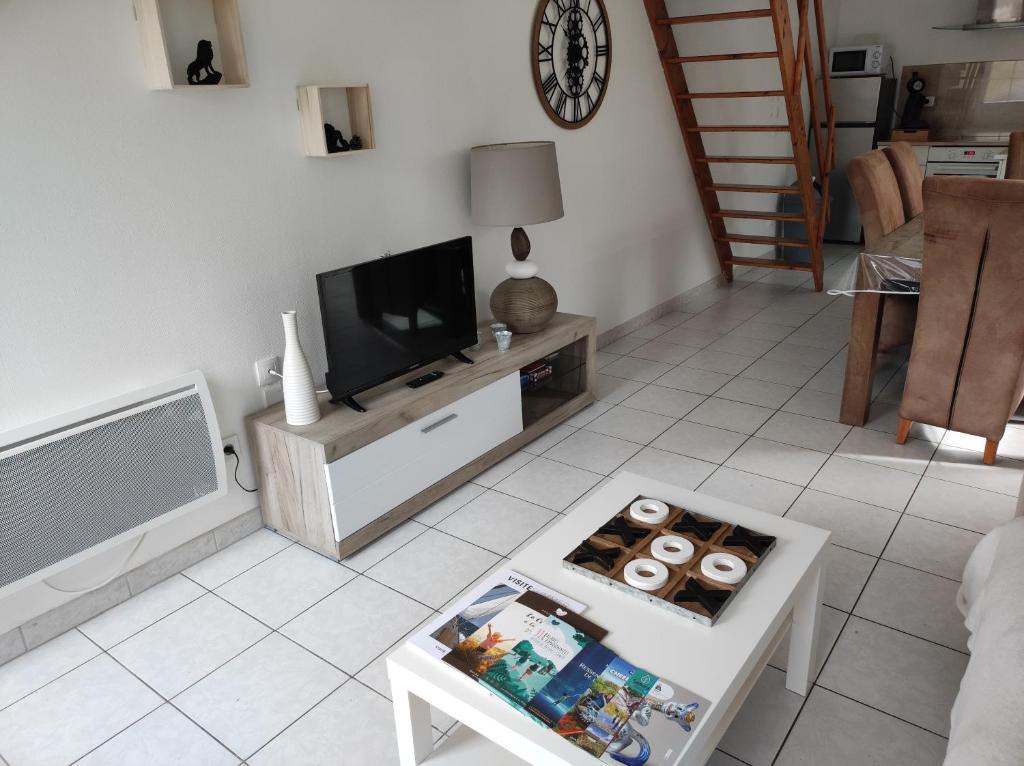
x,y
678,303
67,616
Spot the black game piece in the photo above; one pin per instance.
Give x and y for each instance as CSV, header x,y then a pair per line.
x,y
203,63
626,532
752,541
355,143
587,553
712,599
705,530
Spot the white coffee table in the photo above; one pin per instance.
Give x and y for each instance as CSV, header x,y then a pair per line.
x,y
721,663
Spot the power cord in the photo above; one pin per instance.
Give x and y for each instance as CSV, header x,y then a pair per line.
x,y
276,374
229,449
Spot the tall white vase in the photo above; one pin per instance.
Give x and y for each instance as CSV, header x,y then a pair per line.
x,y
300,405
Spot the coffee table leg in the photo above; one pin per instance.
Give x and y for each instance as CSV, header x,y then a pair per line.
x,y
412,725
803,636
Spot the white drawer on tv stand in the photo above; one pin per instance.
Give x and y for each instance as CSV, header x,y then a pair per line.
x,y
366,484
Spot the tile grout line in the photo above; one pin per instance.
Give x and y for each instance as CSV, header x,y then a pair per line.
x,y
883,712
842,631
908,633
850,614
166,700
78,628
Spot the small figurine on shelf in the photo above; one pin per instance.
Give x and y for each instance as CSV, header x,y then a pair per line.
x,y
335,140
356,142
203,62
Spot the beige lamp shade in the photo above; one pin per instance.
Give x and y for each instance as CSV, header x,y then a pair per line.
x,y
515,184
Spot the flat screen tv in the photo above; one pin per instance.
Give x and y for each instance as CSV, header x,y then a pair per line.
x,y
386,317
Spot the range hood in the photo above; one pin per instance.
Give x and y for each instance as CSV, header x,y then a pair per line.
x,y
994,14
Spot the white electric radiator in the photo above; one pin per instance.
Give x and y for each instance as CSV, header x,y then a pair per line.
x,y
84,482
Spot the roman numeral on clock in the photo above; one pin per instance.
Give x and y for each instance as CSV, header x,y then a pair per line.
x,y
599,21
577,110
560,103
550,83
546,52
602,50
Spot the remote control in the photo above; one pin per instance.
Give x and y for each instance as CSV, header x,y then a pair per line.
x,y
422,380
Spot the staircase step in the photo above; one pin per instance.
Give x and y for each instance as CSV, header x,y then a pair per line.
x,y
753,189
764,263
722,57
750,160
758,215
762,13
731,94
738,129
754,239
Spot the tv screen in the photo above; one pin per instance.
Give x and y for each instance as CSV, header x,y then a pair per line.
x,y
383,318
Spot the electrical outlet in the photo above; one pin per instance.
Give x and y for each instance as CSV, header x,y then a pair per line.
x,y
929,100
233,441
263,367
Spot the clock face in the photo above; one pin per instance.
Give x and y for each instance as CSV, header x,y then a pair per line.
x,y
571,59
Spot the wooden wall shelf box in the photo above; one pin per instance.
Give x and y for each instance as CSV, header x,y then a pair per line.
x,y
342,482
229,50
347,107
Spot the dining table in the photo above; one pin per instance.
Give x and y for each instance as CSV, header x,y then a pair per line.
x,y
892,266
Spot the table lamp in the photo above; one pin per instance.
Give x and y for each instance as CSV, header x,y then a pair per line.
x,y
517,185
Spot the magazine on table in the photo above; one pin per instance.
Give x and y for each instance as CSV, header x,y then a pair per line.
x,y
556,699
628,716
541,652
483,603
606,706
658,728
505,643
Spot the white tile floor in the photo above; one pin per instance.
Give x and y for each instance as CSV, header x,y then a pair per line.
x,y
267,653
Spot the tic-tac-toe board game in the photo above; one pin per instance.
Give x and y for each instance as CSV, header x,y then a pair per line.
x,y
678,560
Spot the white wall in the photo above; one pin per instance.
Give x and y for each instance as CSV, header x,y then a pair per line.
x,y
144,234
905,26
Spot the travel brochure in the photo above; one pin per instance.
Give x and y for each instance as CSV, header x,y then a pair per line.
x,y
479,606
531,648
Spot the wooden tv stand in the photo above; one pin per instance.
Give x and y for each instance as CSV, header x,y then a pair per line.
x,y
342,482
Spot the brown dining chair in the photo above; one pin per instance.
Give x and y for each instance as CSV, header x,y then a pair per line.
x,y
1015,156
881,212
966,369
878,195
909,177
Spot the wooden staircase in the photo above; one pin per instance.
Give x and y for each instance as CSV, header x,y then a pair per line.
x,y
796,69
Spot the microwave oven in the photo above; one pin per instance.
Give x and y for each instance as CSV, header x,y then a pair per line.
x,y
857,61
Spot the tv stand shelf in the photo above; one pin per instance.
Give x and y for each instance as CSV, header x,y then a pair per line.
x,y
307,474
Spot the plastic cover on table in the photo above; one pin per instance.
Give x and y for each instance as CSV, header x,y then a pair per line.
x,y
889,274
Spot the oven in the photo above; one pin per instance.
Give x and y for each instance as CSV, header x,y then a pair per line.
x,y
979,169
977,161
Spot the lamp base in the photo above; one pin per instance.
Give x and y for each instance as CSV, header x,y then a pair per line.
x,y
525,305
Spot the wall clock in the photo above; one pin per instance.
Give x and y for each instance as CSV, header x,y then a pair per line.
x,y
572,58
